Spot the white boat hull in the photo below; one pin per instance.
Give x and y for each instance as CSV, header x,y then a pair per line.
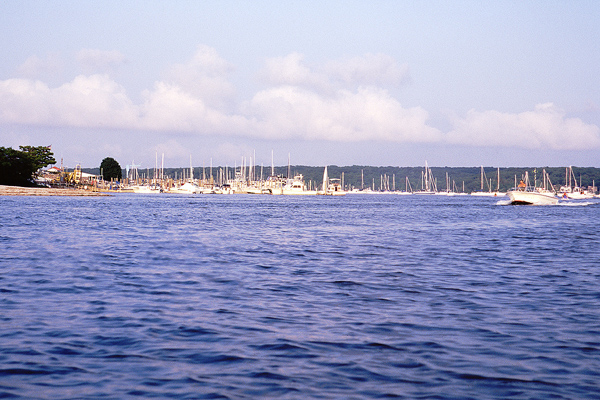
x,y
578,196
533,198
145,189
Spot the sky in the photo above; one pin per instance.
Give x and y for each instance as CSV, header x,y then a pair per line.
x,y
381,83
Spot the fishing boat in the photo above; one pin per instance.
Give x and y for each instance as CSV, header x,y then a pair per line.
x,y
527,195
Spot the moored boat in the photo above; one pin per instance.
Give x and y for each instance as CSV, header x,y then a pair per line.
x,y
296,186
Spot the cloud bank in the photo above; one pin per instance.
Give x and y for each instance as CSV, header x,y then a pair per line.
x,y
545,127
342,100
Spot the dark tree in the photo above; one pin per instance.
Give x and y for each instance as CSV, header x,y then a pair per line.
x,y
40,156
110,169
18,167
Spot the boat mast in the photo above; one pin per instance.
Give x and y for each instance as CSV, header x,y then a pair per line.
x,y
498,187
426,177
362,179
482,178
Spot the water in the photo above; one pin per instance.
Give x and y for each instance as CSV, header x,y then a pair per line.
x,y
247,297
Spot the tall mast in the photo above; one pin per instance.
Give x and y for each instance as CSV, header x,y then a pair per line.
x,y
498,188
482,178
426,176
362,179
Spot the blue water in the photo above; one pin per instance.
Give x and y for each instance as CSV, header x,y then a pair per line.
x,y
256,297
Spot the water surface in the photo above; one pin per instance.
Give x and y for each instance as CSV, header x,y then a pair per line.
x,y
245,297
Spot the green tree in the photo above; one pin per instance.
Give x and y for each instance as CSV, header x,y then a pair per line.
x,y
40,156
110,169
18,167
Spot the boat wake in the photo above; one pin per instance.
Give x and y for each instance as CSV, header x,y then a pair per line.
x,y
508,202
576,203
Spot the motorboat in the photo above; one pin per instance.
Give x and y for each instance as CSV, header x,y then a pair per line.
x,y
525,194
297,187
147,189
186,188
532,197
331,187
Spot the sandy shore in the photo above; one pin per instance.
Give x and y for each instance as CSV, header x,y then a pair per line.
x,y
32,191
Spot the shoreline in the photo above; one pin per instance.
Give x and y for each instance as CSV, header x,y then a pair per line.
x,y
43,191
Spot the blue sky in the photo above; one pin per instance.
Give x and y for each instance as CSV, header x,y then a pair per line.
x,y
456,83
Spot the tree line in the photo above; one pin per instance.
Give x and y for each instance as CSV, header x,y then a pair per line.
x,y
397,178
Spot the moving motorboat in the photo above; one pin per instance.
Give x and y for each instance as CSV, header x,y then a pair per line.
x,y
528,195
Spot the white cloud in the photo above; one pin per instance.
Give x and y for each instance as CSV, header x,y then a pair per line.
x,y
545,127
99,61
368,114
325,103
40,68
339,101
94,101
169,108
191,102
87,101
24,101
366,70
205,77
97,101
290,70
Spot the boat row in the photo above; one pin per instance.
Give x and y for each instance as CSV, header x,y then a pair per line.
x,y
273,185
248,181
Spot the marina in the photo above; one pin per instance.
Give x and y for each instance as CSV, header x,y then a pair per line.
x,y
248,180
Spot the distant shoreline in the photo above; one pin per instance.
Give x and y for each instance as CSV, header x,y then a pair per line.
x,y
42,191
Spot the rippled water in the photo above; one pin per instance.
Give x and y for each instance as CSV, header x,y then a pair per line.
x,y
247,297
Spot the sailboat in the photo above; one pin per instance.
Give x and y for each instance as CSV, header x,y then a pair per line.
x,y
448,191
573,191
407,189
489,193
427,182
